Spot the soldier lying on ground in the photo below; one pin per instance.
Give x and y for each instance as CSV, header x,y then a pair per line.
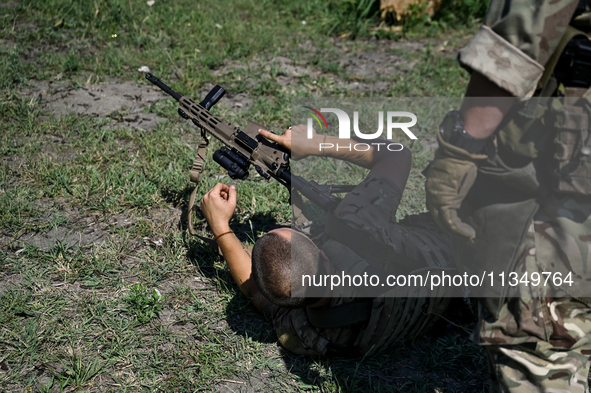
x,y
332,325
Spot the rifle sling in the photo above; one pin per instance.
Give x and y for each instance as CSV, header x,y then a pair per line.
x,y
364,245
195,175
337,316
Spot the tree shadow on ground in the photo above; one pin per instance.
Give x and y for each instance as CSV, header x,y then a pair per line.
x,y
175,197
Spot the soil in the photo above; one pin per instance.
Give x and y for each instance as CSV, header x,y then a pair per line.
x,y
128,101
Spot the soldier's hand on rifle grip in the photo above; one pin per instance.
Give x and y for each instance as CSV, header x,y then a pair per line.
x,y
303,147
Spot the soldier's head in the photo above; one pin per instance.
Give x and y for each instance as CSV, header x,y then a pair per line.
x,y
279,255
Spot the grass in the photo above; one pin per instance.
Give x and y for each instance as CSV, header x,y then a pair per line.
x,y
92,214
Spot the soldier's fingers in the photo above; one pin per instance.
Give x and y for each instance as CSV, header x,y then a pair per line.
x,y
204,200
448,220
218,187
467,231
232,195
221,187
270,135
300,127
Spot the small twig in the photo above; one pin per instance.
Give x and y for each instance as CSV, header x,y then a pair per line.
x,y
229,380
14,237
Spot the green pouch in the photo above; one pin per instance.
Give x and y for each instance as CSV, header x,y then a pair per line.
x,y
570,171
522,135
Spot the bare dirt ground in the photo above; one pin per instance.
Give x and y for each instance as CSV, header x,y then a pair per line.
x,y
120,100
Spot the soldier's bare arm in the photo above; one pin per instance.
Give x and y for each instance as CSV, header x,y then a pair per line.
x,y
218,206
483,115
393,165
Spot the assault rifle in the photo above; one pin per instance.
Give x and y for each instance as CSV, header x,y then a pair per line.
x,y
242,149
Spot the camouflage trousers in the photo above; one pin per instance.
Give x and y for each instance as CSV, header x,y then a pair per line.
x,y
540,341
558,365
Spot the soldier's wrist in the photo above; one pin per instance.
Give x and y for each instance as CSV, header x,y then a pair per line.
x,y
220,227
447,150
455,142
452,131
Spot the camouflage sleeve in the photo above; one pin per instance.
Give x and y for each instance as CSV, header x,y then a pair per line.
x,y
371,206
516,41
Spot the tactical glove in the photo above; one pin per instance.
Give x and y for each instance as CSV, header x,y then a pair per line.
x,y
450,177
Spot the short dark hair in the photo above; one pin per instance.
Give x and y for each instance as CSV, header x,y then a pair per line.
x,y
273,257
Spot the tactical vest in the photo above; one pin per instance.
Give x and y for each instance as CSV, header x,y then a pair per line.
x,y
401,313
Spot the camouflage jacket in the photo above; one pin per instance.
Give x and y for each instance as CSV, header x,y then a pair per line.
x,y
516,41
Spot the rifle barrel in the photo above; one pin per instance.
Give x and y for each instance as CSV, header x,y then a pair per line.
x,y
164,87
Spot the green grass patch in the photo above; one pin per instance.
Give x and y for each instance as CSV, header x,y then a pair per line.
x,y
92,215
144,303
